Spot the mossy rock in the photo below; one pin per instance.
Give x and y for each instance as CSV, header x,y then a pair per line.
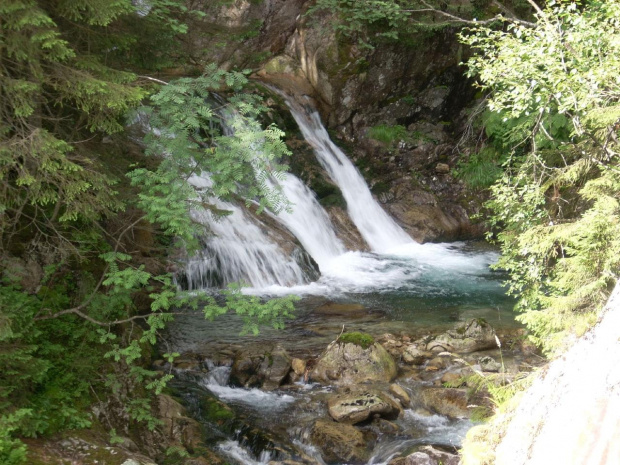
x,y
352,359
213,410
361,339
334,200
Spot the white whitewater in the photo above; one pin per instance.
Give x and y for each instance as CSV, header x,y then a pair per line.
x,y
309,222
306,220
238,250
378,229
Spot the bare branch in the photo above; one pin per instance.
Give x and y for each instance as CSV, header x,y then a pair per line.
x,y
158,81
78,312
460,20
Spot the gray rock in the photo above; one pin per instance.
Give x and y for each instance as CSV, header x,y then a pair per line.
x,y
428,455
414,356
360,405
339,442
346,364
469,336
419,458
489,364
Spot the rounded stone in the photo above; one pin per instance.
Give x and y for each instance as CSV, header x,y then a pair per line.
x,y
349,363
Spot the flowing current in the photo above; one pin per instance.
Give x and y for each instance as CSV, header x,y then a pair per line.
x,y
238,250
378,229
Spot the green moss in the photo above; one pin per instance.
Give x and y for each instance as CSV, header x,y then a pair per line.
x,y
361,339
380,188
215,411
388,134
333,200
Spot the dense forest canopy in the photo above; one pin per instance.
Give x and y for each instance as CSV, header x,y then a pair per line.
x,y
73,73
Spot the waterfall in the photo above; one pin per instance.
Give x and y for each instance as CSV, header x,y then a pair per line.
x,y
306,219
238,250
378,229
309,222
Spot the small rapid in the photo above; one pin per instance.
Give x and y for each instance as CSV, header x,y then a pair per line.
x,y
291,414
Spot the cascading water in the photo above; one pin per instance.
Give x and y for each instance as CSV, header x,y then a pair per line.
x,y
308,222
237,250
412,285
306,219
378,229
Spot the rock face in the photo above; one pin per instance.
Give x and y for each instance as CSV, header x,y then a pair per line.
x,y
361,405
339,442
349,363
571,413
469,336
421,88
263,366
179,428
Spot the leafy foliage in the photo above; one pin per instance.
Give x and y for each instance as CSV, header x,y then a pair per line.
x,y
239,161
70,329
371,21
554,90
388,134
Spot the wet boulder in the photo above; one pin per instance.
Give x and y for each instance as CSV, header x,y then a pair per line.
x,y
427,455
354,358
446,401
179,427
489,364
265,366
400,394
340,443
413,355
362,404
469,336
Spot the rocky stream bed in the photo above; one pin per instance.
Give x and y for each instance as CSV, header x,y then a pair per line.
x,y
331,393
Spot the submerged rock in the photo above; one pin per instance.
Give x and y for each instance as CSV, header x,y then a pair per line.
x,y
351,363
340,442
333,308
360,405
469,336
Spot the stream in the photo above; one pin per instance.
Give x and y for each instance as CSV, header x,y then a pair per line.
x,y
400,287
